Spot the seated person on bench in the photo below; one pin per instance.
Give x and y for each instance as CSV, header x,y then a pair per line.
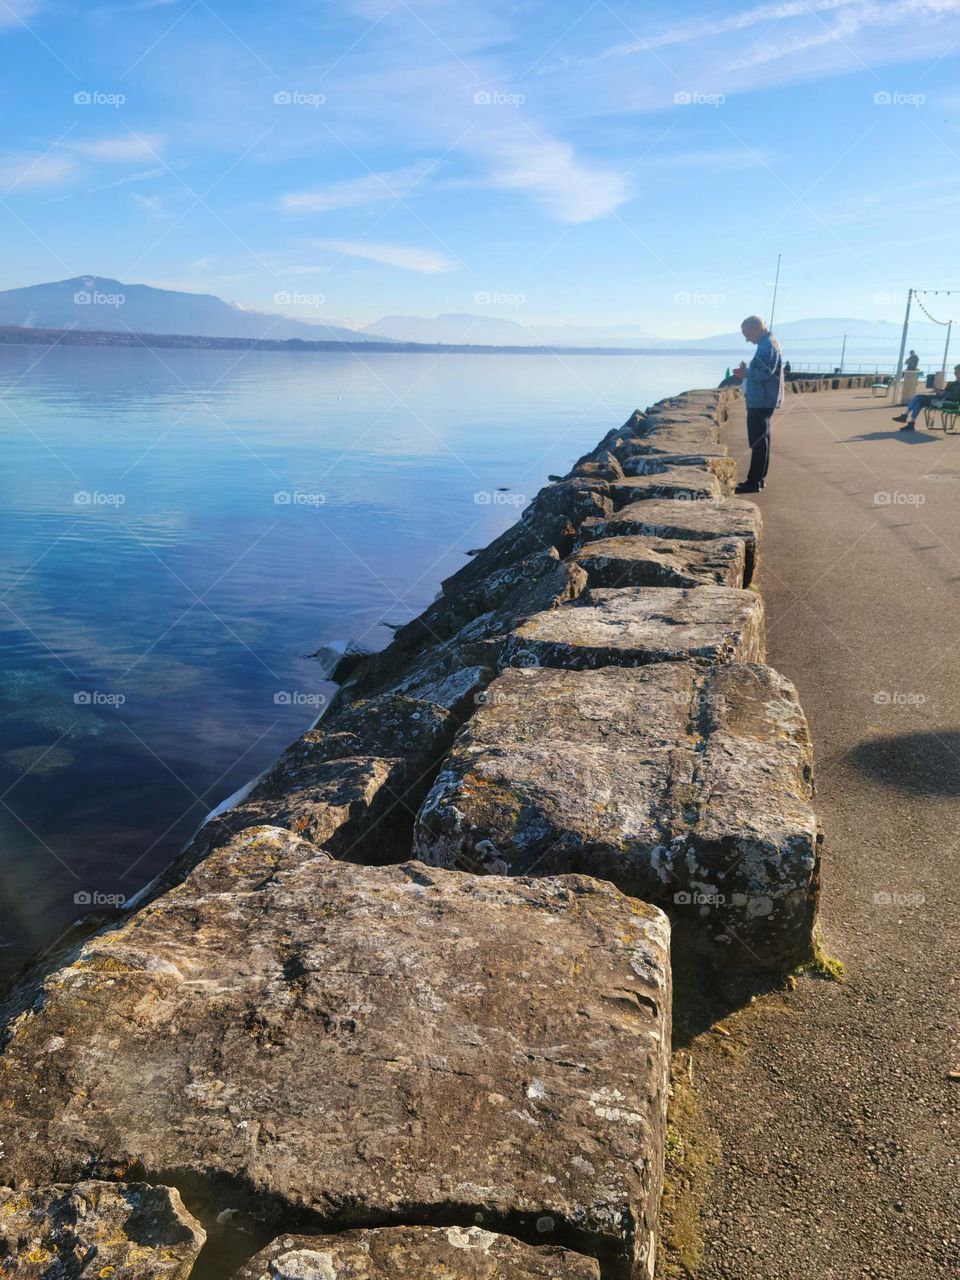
x,y
950,394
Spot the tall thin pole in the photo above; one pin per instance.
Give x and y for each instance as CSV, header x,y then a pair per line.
x,y
946,348
903,346
843,352
776,283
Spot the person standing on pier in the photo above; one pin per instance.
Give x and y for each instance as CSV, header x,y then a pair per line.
x,y
763,391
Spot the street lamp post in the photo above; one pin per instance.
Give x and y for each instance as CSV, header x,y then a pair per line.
x,y
776,285
903,346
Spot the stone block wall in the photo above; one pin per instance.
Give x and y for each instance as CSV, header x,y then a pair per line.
x,y
406,1007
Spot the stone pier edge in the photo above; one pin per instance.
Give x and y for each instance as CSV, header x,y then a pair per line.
x,y
352,800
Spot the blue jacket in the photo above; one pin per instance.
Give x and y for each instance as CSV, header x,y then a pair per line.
x,y
763,385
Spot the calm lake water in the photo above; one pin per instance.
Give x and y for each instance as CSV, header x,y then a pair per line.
x,y
179,530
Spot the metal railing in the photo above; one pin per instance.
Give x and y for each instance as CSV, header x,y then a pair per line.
x,y
833,370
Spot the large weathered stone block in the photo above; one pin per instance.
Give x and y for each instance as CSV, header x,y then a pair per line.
x,y
357,1046
124,1231
684,787
673,482
663,562
634,626
655,461
551,520
524,587
674,518
415,1253
418,661
350,785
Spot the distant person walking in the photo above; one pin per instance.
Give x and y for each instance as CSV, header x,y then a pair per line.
x,y
913,362
763,392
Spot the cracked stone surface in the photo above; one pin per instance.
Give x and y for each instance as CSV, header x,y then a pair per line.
x,y
369,1045
688,788
655,460
633,626
667,482
661,562
97,1229
538,582
676,518
415,1253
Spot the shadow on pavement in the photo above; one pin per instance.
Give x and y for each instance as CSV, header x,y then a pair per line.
x,y
905,437
920,764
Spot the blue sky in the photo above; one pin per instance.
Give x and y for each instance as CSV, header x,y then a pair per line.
x,y
597,163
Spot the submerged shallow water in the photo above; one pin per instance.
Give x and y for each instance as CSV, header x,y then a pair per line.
x,y
180,530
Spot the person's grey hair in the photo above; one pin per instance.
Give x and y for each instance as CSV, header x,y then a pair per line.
x,y
754,322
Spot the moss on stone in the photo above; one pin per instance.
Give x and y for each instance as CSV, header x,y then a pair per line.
x,y
692,1152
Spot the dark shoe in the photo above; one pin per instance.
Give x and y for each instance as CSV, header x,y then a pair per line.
x,y
747,487
902,417
909,427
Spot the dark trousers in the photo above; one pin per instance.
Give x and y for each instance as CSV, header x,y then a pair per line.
x,y
758,433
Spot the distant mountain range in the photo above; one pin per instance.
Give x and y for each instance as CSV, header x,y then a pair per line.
x,y
816,338
96,304
458,328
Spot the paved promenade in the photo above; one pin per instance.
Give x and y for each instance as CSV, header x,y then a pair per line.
x,y
838,1121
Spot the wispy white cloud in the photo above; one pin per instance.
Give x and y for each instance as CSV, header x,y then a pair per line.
x,y
130,146
149,204
774,43
41,170
393,255
697,31
570,189
372,189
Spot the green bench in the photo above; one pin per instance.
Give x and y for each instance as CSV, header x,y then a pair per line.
x,y
948,411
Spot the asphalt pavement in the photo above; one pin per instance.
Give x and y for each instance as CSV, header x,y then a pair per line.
x,y
833,1102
